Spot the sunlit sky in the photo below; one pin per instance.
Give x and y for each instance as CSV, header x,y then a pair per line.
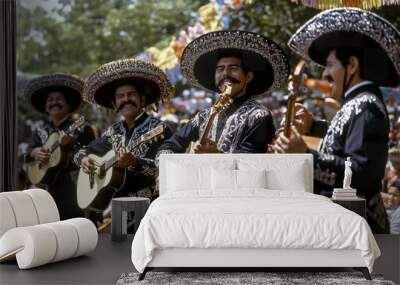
x,y
48,5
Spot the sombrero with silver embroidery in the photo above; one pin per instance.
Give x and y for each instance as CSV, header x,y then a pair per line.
x,y
38,89
150,81
260,55
353,28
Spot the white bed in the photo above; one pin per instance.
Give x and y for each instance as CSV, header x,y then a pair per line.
x,y
247,210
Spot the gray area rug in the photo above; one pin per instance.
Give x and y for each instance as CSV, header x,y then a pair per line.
x,y
269,278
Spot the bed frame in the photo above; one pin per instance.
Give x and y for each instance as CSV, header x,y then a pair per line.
x,y
249,259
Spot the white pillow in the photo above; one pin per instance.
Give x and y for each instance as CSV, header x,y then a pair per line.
x,y
223,179
282,174
182,177
290,180
251,178
188,176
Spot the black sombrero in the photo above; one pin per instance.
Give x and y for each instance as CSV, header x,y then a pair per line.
x,y
262,56
150,81
38,89
352,28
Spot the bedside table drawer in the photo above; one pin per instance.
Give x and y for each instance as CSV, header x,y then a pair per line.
x,y
357,205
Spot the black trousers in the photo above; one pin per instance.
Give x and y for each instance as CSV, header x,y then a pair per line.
x,y
63,191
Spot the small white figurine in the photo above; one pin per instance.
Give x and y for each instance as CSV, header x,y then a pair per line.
x,y
347,174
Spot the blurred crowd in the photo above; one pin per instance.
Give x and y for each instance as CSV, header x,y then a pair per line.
x,y
391,185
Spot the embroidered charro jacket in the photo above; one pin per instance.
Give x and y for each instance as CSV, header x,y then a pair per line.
x,y
360,130
143,173
83,136
63,189
245,126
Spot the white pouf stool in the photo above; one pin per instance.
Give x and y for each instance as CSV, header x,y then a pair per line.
x,y
31,232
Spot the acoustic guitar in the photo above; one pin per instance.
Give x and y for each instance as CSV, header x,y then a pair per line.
x,y
223,101
298,81
47,173
107,178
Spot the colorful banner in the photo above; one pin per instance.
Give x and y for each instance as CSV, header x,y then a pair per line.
x,y
213,16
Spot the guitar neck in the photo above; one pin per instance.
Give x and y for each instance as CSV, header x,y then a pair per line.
x,y
296,80
207,130
143,138
110,162
222,102
289,115
56,144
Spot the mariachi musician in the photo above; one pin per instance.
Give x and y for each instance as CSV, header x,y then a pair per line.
x,y
360,52
251,64
127,86
58,96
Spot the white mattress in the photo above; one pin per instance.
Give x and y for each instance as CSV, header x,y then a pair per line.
x,y
256,218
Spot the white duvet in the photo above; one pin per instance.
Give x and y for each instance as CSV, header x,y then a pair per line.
x,y
250,219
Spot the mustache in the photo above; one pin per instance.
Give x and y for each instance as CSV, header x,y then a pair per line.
x,y
233,80
126,103
56,105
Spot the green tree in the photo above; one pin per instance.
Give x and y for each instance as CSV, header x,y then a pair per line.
x,y
89,33
77,36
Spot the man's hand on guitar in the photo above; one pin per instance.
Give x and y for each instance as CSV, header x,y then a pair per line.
x,y
303,119
125,159
295,144
209,147
87,165
65,139
40,154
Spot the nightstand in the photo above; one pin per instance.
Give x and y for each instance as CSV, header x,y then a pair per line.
x,y
357,205
127,212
